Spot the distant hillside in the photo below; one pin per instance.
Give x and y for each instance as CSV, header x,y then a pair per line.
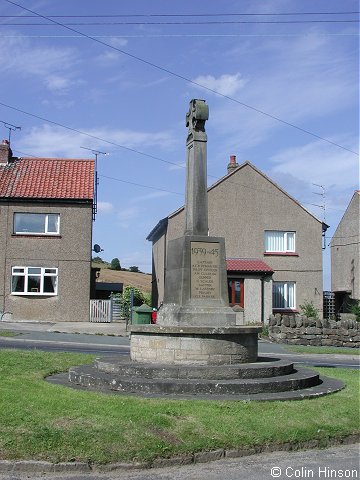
x,y
139,280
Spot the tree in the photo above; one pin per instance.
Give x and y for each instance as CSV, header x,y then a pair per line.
x,y
98,260
134,269
115,264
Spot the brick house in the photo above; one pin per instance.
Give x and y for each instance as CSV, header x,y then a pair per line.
x,y
345,255
273,244
46,214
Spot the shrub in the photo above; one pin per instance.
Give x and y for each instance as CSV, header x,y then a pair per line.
x,y
309,310
124,300
355,309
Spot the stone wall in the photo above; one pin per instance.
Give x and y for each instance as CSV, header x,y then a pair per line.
x,y
300,330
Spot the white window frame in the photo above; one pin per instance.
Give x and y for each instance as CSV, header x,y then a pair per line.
x,y
289,300
46,224
27,272
285,240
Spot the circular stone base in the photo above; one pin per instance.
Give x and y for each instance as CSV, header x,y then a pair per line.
x,y
194,345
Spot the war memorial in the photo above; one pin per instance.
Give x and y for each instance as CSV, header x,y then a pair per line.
x,y
196,350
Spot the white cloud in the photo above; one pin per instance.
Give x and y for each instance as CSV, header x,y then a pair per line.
x,y
225,84
126,216
304,81
318,163
117,42
105,207
150,196
51,141
108,58
22,57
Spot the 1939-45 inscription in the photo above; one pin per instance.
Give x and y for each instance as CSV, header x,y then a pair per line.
x,y
205,263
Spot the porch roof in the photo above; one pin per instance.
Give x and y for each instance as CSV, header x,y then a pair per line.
x,y
252,265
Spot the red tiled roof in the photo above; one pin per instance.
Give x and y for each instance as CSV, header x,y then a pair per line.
x,y
247,265
48,178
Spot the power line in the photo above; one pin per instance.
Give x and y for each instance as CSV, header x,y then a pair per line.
x,y
184,35
344,244
141,185
222,22
90,135
182,77
138,152
123,15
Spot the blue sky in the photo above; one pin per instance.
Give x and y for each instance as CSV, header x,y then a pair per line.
x,y
56,83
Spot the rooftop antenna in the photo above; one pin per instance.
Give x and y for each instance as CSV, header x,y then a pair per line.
x,y
96,178
11,128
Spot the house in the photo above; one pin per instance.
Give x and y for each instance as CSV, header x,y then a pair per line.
x,y
345,254
273,244
46,214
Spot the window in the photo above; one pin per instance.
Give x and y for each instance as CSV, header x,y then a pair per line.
x,y
37,223
34,281
236,291
279,242
284,295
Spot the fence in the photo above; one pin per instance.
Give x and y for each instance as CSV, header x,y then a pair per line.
x,y
100,311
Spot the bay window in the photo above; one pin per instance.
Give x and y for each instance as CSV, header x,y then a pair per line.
x,y
279,242
34,281
284,295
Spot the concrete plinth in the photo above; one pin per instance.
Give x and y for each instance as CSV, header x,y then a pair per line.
x,y
194,345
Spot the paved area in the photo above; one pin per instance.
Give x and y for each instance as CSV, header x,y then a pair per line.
x,y
334,462
113,328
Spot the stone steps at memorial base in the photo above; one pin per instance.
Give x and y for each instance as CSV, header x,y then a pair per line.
x,y
265,367
90,376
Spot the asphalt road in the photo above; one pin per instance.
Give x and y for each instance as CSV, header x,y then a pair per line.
x,y
108,345
339,462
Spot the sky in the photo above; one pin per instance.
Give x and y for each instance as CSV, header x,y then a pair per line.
x,y
280,78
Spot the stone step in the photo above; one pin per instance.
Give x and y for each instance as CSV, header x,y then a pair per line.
x,y
265,367
90,376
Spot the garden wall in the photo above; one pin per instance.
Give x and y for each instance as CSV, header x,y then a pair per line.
x,y
300,330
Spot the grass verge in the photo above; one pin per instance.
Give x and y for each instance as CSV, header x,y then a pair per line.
x,y
6,333
323,350
41,421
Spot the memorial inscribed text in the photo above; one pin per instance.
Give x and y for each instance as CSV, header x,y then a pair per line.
x,y
205,276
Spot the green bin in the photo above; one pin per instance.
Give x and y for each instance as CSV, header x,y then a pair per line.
x,y
141,314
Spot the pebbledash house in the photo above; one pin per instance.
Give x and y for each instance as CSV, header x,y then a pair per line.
x,y
46,214
273,245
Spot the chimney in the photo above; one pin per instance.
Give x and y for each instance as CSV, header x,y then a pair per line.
x,y
232,165
5,153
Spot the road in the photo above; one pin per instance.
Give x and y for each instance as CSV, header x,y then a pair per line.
x,y
338,462
108,345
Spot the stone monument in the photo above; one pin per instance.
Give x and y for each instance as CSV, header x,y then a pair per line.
x,y
195,323
196,350
195,283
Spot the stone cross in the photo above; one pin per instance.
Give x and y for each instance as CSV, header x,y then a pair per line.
x,y
196,204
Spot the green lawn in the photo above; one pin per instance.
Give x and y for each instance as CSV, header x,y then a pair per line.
x,y
41,421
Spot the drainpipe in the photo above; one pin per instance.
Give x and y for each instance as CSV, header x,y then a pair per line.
x,y
262,300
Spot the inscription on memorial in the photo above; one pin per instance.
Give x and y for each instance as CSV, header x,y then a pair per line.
x,y
205,276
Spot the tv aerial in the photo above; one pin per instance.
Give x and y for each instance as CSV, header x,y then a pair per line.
x,y
96,177
10,127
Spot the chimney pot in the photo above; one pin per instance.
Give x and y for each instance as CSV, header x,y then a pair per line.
x,y
232,165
